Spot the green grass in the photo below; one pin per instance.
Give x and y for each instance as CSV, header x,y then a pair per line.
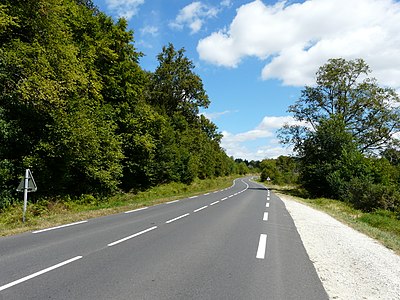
x,y
381,225
53,212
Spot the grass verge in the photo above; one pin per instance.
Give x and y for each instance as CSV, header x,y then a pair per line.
x,y
54,212
381,225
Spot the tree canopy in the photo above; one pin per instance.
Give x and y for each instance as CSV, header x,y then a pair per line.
x,y
347,144
343,91
77,108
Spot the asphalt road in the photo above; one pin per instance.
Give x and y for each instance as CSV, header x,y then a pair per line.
x,y
238,243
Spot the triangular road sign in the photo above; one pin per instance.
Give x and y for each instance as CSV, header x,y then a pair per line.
x,y
31,184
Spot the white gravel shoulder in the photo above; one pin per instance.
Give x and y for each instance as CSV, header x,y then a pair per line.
x,y
349,264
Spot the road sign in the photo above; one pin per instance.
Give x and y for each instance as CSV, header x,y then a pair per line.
x,y
32,187
27,185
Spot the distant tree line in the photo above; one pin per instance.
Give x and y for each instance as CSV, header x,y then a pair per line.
x,y
77,108
282,170
347,137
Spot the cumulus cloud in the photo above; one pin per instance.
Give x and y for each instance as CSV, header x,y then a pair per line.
x,y
124,8
295,39
193,16
234,144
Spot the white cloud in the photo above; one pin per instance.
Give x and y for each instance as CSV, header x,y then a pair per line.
x,y
124,8
216,115
194,16
226,3
150,30
234,144
295,39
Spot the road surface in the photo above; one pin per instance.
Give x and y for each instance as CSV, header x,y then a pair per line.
x,y
237,243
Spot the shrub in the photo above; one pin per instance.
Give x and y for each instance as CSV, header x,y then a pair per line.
x,y
365,195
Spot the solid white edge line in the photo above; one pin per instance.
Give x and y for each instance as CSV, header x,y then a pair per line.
x,y
170,202
214,203
177,218
131,236
262,245
58,227
265,218
39,273
138,209
201,208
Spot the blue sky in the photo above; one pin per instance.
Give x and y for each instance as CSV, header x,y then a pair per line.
x,y
254,57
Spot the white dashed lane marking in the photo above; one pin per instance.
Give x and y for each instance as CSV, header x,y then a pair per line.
x,y
177,218
262,246
131,211
58,227
201,208
131,236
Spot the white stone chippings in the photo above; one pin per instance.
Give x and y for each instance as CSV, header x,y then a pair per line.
x,y
349,264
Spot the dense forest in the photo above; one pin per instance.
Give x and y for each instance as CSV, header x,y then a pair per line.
x,y
79,111
346,139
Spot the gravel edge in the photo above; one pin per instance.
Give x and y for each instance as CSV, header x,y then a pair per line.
x,y
350,264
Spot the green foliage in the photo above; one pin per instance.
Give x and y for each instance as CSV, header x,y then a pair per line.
x,y
175,87
369,196
382,219
77,109
369,112
282,170
347,120
320,153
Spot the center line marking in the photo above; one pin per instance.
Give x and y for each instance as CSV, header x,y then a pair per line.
x,y
131,211
57,227
262,246
267,204
268,199
223,199
39,273
177,218
265,218
131,236
206,194
230,196
214,203
201,208
193,197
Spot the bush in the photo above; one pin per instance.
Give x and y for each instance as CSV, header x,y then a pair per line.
x,y
365,195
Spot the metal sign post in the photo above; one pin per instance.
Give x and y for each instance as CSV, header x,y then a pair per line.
x,y
26,185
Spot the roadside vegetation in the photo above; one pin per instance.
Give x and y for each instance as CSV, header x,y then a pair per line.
x,y
347,152
52,212
77,109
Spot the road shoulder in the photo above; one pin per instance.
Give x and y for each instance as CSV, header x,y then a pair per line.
x,y
349,264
